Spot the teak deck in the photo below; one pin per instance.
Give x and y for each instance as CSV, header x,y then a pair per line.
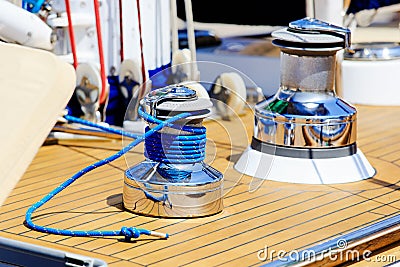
x,y
276,216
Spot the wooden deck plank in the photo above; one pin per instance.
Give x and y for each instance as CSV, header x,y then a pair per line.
x,y
200,229
283,216
242,233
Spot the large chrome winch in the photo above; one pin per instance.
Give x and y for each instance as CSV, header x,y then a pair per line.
x,y
173,180
305,133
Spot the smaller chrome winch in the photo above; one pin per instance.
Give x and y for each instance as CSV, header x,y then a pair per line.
x,y
305,132
173,180
368,75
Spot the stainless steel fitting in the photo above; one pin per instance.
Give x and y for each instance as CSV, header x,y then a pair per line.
x,y
305,118
147,191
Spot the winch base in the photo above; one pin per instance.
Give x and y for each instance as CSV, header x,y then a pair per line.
x,y
146,192
303,170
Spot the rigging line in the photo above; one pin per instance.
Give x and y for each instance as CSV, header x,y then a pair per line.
x,y
71,34
141,92
99,126
160,23
174,27
157,33
191,39
103,94
121,31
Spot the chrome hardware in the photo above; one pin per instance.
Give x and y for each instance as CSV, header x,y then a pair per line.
x,y
374,51
147,191
170,93
311,25
165,102
304,133
88,97
155,196
305,112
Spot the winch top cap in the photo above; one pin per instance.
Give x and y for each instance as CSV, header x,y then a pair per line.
x,y
310,33
175,98
172,92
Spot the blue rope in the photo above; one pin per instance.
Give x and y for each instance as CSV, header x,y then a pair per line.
x,y
187,147
175,149
99,126
150,119
127,232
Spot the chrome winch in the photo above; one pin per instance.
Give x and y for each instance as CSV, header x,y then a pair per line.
x,y
305,132
173,180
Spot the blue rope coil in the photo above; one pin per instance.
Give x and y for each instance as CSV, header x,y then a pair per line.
x,y
187,147
194,142
176,149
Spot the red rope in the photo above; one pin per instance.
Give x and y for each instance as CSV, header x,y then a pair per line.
x,y
141,43
103,94
121,32
71,34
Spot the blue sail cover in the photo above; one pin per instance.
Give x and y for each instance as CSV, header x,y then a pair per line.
x,y
359,5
